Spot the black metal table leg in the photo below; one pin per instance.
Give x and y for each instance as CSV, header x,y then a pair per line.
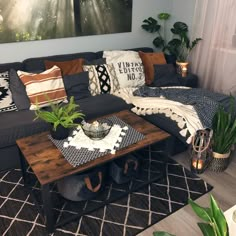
x,y
23,166
47,208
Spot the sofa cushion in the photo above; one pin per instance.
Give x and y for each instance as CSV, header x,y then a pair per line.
x,y
128,67
77,85
15,125
149,59
6,101
37,63
143,49
8,66
102,79
18,91
165,75
100,105
67,67
43,87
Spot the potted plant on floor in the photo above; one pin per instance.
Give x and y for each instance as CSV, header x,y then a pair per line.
x,y
62,117
224,136
215,222
179,46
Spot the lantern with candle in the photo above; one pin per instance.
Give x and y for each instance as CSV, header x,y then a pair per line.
x,y
201,151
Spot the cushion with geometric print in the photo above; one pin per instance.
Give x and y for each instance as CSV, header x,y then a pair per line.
x,y
102,79
6,101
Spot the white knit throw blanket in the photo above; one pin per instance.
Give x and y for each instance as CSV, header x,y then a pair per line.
x,y
185,115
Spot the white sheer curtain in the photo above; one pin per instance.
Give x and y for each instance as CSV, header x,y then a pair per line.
x,y
214,59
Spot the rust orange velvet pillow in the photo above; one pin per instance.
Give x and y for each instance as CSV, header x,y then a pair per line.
x,y
149,60
67,67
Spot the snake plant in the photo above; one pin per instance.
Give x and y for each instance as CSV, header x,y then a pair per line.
x,y
215,222
224,129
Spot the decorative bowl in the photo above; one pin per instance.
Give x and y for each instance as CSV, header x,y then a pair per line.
x,y
98,129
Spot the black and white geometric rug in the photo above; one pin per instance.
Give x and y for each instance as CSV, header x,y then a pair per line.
x,y
125,217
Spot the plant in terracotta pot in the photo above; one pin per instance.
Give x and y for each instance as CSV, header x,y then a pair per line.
x,y
62,117
224,136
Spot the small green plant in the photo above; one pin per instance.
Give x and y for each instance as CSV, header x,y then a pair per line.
x,y
179,46
61,114
224,129
215,222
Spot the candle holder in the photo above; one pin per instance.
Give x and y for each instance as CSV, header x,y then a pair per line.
x,y
201,151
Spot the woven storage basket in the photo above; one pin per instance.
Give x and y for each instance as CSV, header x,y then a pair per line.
x,y
219,162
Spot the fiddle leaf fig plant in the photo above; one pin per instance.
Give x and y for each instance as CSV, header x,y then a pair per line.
x,y
179,46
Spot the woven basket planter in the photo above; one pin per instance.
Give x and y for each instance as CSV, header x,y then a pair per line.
x,y
219,162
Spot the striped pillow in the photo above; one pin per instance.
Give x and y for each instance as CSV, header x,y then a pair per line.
x,y
44,88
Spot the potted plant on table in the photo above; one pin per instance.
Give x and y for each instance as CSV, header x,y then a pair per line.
x,y
224,136
62,117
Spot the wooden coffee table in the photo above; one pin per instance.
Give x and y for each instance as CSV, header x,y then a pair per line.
x,y
49,165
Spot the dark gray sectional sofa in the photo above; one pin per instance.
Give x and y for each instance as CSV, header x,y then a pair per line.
x,y
17,124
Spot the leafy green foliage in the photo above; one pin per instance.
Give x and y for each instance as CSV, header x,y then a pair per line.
x,y
224,129
216,224
180,46
61,114
161,233
151,25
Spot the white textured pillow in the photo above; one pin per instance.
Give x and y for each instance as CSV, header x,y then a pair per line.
x,y
6,101
115,53
102,79
128,67
42,87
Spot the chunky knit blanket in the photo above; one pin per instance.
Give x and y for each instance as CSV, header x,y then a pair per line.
x,y
191,109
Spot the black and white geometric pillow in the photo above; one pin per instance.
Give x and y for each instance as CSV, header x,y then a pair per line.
x,y
6,101
102,79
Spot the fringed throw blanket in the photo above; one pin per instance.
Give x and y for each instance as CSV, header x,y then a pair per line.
x,y
192,109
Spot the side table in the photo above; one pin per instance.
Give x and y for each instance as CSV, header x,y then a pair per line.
x,y
191,80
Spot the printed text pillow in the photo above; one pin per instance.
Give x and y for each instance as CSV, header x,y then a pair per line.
x,y
128,67
41,88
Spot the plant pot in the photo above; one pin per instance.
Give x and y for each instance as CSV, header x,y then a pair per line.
x,y
182,68
60,133
219,161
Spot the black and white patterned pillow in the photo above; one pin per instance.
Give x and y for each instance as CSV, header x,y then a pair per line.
x,y
102,79
6,101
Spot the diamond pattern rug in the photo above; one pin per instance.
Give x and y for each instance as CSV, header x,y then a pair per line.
x,y
125,217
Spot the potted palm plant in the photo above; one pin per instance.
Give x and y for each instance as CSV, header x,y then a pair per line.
x,y
224,136
61,117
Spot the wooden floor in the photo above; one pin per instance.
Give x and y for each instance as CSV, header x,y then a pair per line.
x,y
184,221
